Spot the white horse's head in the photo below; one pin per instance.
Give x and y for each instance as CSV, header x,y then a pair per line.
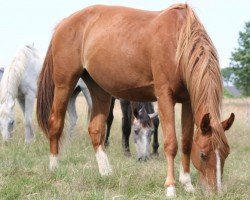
x,y
142,130
7,117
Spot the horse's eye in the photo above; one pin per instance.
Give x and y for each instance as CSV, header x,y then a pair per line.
x,y
11,122
203,156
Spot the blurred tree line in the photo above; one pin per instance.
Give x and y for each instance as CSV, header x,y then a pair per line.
x,y
238,72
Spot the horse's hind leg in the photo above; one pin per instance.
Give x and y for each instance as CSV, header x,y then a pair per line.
x,y
155,141
65,79
126,125
56,120
109,121
187,139
101,104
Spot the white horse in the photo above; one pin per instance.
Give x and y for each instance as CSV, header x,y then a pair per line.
x,y
19,80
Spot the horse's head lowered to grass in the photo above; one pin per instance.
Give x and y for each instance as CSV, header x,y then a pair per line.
x,y
210,149
142,130
7,117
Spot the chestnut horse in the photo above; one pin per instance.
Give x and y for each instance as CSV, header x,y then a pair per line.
x,y
140,56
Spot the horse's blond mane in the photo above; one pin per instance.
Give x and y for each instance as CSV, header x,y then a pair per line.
x,y
198,63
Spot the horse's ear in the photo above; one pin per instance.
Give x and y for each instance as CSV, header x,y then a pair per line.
x,y
153,115
205,124
11,103
228,122
136,113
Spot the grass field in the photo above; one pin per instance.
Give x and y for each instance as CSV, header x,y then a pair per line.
x,y
24,170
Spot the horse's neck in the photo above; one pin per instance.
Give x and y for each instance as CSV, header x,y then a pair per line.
x,y
7,106
205,108
12,77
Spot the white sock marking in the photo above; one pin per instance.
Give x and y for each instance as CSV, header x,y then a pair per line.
x,y
53,162
103,163
218,170
185,179
170,191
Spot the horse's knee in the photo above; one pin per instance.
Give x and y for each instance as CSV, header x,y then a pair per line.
x,y
186,147
56,127
28,123
171,147
95,135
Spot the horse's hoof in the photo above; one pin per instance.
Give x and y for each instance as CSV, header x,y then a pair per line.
x,y
185,180
127,153
29,140
103,163
106,172
189,188
106,144
170,192
155,154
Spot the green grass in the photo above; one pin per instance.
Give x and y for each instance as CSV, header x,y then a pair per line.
x,y
24,170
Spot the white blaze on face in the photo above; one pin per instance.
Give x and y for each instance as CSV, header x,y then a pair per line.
x,y
218,170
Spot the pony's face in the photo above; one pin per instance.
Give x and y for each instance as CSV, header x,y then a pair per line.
x,y
207,158
142,130
7,120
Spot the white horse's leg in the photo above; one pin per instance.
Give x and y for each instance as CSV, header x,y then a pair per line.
x,y
86,94
72,114
29,104
21,102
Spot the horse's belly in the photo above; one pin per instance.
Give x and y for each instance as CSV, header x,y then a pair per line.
x,y
123,81
137,94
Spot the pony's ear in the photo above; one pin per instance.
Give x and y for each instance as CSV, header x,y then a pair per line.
x,y
136,113
228,122
11,103
153,115
205,124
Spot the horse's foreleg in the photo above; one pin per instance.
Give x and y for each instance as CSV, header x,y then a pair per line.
x,y
28,110
166,112
187,139
109,121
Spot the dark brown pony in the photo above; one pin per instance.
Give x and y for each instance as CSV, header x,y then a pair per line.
x,y
140,56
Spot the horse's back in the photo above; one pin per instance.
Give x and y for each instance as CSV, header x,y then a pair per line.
x,y
112,41
30,76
